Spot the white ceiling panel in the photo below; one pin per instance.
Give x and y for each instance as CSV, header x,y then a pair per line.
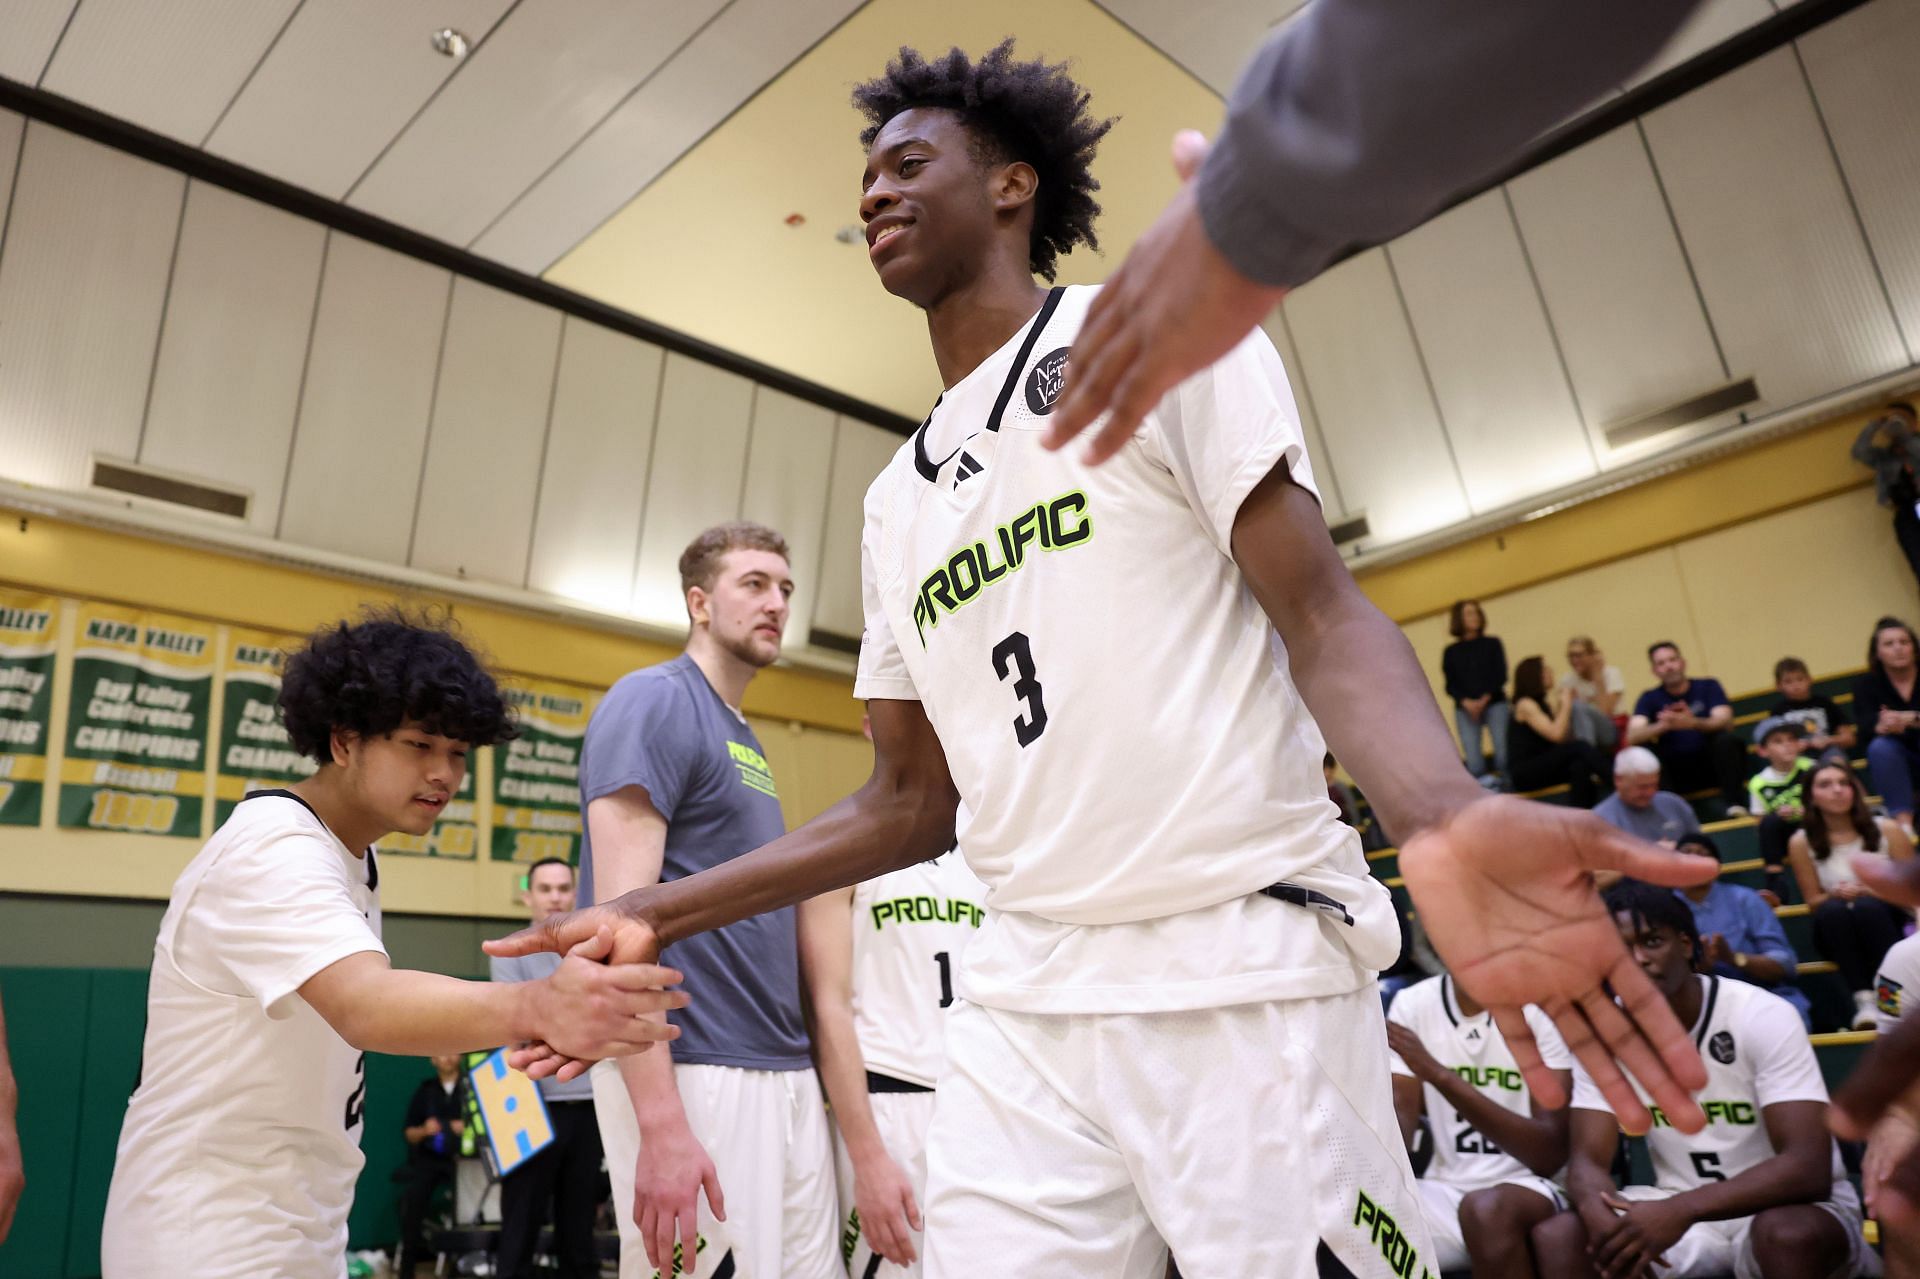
x,y
1376,412
1616,282
1212,39
489,431
83,279
341,83
699,456
1713,23
227,381
594,479
550,72
1323,473
789,460
1860,66
172,68
723,66
860,452
1503,393
362,429
33,29
1772,234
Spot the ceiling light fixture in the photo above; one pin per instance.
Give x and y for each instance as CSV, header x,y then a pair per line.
x,y
451,43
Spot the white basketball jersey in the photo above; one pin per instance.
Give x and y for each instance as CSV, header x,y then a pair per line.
x,y
1116,712
910,928
1897,987
1757,1054
1471,1047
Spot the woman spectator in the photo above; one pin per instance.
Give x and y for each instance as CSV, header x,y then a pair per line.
x,y
1885,709
1475,665
1851,926
1598,690
1541,746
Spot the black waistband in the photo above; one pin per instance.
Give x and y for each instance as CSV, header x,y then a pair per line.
x,y
877,1082
1294,895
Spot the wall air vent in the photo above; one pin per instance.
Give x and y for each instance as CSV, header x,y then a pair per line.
x,y
129,480
1719,400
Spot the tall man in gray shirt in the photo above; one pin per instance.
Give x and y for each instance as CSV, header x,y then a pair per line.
x,y
674,782
565,1174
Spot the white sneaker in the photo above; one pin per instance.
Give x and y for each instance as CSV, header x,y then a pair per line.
x,y
1865,1015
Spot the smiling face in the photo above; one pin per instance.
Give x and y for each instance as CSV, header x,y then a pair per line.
x,y
934,210
401,781
745,608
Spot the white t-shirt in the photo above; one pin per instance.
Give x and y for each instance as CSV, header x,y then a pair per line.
x,y
1473,1048
910,929
1757,1055
1611,681
1115,708
242,1143
1897,987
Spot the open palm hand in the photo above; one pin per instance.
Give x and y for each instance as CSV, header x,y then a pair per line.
x,y
1505,890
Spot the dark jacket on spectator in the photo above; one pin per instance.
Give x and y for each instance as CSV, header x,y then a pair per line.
x,y
1874,691
1474,667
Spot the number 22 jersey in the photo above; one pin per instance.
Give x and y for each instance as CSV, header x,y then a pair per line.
x,y
1116,710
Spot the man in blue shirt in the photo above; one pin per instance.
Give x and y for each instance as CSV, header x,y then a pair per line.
x,y
1740,936
1688,723
673,782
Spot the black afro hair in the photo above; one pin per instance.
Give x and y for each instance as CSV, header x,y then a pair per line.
x,y
389,668
1651,906
1026,111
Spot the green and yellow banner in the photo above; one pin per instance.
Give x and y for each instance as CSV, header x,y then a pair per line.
x,y
254,753
536,776
29,635
137,722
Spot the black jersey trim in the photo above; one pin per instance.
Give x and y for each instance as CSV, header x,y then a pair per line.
x,y
1446,998
928,468
878,1082
1706,1011
373,867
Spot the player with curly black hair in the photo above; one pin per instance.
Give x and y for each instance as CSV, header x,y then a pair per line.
x,y
270,983
1169,1014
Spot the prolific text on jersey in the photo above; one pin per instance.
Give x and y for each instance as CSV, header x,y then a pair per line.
x,y
1056,525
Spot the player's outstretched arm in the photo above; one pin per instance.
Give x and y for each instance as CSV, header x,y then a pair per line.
x,y
1504,885
587,1008
902,815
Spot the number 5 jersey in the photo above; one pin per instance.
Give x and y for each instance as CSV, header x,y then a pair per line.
x,y
1116,710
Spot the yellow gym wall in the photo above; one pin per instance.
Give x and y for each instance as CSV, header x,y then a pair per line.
x,y
807,722
1777,550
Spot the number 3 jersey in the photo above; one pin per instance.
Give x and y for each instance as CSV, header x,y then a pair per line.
x,y
1116,710
1472,1048
910,929
1757,1055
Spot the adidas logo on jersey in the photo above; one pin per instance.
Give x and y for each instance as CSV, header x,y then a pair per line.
x,y
967,469
1474,1035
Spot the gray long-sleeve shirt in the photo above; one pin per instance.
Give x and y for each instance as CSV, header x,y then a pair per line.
x,y
1361,118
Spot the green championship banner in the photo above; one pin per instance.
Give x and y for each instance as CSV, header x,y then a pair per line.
x,y
137,722
28,637
536,776
254,752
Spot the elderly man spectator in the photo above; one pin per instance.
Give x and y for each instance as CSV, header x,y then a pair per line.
x,y
1688,723
1639,807
1740,936
1599,692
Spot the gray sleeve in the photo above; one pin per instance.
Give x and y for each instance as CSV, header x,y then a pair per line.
x,y
1360,118
514,969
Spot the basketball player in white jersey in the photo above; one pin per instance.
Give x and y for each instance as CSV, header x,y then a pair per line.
x,y
1760,1191
879,961
270,985
1897,1136
1496,1150
1170,1012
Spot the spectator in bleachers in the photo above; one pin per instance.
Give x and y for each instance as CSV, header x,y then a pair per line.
x,y
1897,1135
1688,723
1826,724
1891,446
1475,665
1495,1148
1885,707
1740,936
1542,749
1599,692
1760,1191
1851,926
1778,793
435,1120
1639,807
